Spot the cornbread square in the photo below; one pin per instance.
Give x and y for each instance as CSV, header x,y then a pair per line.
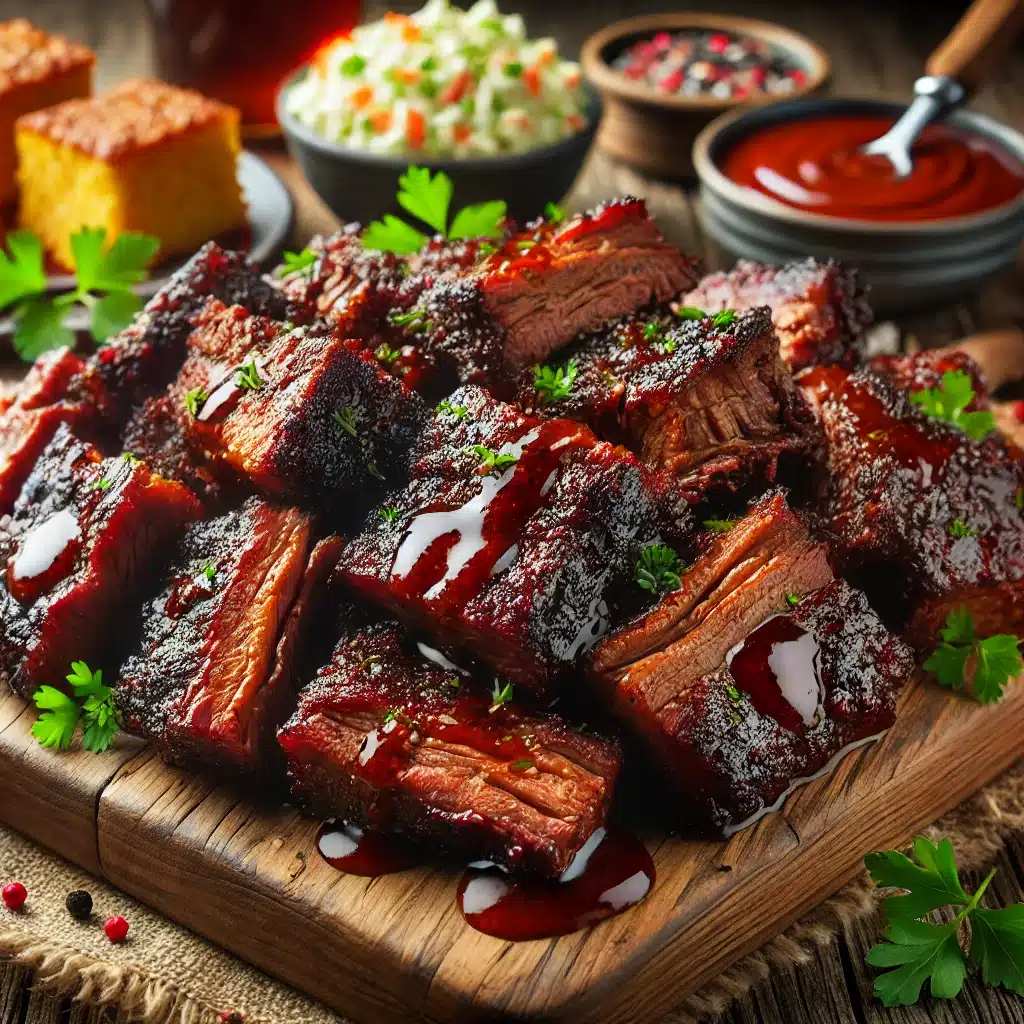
x,y
36,70
145,156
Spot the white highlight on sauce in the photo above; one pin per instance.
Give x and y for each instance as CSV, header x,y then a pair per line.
x,y
626,893
482,893
341,841
43,545
794,668
579,863
434,655
505,561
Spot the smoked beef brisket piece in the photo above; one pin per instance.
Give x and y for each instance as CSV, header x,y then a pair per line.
x,y
293,410
514,305
512,539
820,313
387,738
925,519
83,536
709,403
739,692
214,676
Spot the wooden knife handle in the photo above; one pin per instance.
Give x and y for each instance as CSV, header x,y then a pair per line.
x,y
978,42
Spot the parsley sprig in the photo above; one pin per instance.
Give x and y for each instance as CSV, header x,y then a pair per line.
x,y
919,949
949,403
499,696
427,197
104,282
658,570
295,262
984,666
92,703
553,383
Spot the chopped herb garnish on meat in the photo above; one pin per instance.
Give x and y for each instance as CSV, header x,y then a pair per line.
x,y
668,346
719,525
346,419
958,528
195,400
554,213
1018,498
248,377
371,468
101,485
390,715
209,570
658,570
792,600
388,513
653,331
453,682
489,459
962,660
500,695
131,458
553,383
386,354
458,411
526,243
370,659
521,765
297,261
415,320
725,318
734,695
690,313
949,403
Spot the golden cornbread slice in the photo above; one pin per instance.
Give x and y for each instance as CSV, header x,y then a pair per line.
x,y
36,70
145,156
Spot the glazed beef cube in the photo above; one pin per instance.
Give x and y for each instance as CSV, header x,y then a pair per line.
x,y
144,358
293,411
509,537
516,305
30,416
738,693
84,533
710,404
819,311
214,675
385,738
925,519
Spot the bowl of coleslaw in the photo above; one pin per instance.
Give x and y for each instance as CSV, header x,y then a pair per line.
x,y
466,92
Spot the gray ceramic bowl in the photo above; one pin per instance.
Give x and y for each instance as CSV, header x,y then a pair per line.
x,y
906,265
362,186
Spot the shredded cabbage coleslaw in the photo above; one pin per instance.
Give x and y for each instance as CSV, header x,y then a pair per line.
x,y
441,82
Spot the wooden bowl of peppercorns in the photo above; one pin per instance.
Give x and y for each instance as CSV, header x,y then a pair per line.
x,y
663,77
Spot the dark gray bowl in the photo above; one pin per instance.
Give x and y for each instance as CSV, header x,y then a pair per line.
x,y
906,265
361,186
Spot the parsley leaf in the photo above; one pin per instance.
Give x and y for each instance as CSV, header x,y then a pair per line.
x,y
553,212
719,525
931,881
553,384
388,513
958,528
997,946
725,318
295,262
195,400
55,727
690,313
458,411
919,951
100,721
481,220
248,377
489,459
22,273
999,661
393,235
658,570
115,269
995,660
84,681
500,695
949,402
426,196
112,313
38,328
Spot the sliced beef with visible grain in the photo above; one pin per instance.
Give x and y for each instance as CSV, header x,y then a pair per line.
x,y
84,535
214,675
819,310
386,738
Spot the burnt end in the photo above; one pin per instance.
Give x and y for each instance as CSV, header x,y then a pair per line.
x,y
294,411
77,548
536,291
924,518
712,406
144,358
819,311
30,416
388,739
214,675
460,548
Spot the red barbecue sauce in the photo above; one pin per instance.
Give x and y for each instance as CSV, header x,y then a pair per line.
x,y
815,165
617,875
368,854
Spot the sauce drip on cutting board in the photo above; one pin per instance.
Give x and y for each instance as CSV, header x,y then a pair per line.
x,y
611,873
368,854
815,165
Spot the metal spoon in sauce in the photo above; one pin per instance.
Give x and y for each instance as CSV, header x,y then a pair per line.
x,y
955,69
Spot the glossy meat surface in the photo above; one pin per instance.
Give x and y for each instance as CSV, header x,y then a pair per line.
x,y
389,736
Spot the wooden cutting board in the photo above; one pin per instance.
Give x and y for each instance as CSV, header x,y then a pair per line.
x,y
395,948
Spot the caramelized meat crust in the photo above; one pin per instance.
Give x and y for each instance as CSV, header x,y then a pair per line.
x,y
84,536
925,519
819,311
388,738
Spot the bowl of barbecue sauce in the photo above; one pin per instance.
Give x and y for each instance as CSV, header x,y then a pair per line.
x,y
785,183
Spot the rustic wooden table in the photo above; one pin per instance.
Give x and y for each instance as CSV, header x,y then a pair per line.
x,y
877,49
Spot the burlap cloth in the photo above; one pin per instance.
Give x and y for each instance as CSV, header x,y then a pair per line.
x,y
165,974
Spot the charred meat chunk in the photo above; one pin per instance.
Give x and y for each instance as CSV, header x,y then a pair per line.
x,y
511,537
819,311
708,401
214,675
84,533
30,416
537,291
293,410
737,691
386,738
925,518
